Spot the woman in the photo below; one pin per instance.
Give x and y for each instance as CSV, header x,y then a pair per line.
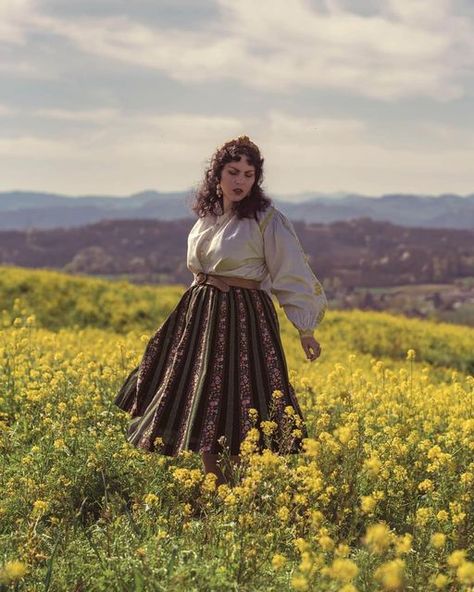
x,y
211,370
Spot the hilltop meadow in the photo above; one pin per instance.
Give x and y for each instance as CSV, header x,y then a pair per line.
x,y
382,497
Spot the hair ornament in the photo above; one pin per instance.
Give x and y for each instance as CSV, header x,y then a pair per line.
x,y
242,140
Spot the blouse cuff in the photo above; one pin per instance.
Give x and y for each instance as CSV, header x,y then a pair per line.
x,y
306,332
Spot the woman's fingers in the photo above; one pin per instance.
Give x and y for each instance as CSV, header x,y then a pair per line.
x,y
311,347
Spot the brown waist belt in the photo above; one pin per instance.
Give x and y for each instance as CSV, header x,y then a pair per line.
x,y
223,282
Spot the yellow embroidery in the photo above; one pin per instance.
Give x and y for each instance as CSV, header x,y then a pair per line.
x,y
318,288
266,219
321,314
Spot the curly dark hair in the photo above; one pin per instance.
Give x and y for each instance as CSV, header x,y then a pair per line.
x,y
206,197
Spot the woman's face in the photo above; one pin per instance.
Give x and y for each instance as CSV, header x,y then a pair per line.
x,y
237,174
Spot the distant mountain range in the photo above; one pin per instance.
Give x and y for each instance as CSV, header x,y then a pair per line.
x,y
27,210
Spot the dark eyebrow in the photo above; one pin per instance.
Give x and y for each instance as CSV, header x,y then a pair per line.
x,y
247,171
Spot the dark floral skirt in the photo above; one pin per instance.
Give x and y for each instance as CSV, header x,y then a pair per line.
x,y
217,356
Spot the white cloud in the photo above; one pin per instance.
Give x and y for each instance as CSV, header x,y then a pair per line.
x,y
33,147
405,49
14,18
6,110
411,48
126,152
18,19
98,116
25,68
416,11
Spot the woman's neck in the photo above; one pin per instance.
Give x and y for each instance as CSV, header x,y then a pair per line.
x,y
227,207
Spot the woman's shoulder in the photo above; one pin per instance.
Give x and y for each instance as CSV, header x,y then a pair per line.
x,y
265,216
274,217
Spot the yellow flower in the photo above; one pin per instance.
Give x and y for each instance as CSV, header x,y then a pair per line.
x,y
161,534
283,498
299,582
342,550
377,537
465,572
277,394
306,562
311,447
209,483
246,520
223,491
422,516
253,435
230,499
301,544
326,543
442,516
411,354
300,499
403,543
31,320
253,413
344,434
278,561
458,518
344,570
390,574
426,485
368,504
283,514
188,478
150,499
372,465
316,518
40,506
268,427
456,558
158,441
348,588
12,570
440,581
438,540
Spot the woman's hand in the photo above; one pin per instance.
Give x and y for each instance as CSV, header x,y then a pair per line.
x,y
311,347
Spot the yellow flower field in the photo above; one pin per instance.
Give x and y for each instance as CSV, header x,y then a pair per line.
x,y
381,499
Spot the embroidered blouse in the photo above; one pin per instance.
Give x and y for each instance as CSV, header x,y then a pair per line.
x,y
267,250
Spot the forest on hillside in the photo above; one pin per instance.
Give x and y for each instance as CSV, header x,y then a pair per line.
x,y
362,263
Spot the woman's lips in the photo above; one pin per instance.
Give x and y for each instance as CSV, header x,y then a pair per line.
x,y
238,191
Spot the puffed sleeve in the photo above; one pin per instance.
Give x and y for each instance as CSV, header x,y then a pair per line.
x,y
294,284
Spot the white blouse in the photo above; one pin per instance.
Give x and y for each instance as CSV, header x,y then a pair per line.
x,y
268,251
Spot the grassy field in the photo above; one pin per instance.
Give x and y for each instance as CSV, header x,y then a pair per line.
x,y
381,499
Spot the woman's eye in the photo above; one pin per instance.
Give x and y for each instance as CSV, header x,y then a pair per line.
x,y
246,176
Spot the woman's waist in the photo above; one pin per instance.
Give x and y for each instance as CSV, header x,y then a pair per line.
x,y
224,281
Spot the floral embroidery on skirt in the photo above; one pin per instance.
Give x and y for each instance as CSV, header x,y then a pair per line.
x,y
213,366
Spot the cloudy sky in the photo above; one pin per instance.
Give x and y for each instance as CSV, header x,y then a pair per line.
x,y
116,97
